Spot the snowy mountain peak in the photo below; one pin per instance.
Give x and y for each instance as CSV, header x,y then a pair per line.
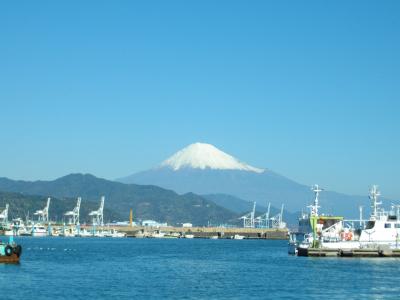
x,y
206,156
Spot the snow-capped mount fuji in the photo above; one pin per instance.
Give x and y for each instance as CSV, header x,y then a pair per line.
x,y
205,156
205,170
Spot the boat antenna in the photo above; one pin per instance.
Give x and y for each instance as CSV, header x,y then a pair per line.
x,y
314,208
373,195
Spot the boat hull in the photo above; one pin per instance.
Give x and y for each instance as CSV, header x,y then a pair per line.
x,y
39,234
12,259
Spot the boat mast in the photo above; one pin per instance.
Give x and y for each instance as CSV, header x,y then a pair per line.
x,y
314,214
373,195
314,208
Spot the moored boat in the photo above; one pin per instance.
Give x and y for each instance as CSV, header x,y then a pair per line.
x,y
39,230
381,233
10,252
238,237
115,234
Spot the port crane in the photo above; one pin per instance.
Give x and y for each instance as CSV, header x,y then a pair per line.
x,y
4,215
277,220
73,215
97,215
43,214
248,219
264,220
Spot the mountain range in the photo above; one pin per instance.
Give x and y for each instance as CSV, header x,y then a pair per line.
x,y
198,184
147,201
204,169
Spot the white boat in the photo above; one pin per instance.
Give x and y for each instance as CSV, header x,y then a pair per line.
x,y
157,234
173,235
115,234
381,231
39,230
238,237
55,232
99,233
69,231
189,236
84,233
140,234
9,232
16,228
383,227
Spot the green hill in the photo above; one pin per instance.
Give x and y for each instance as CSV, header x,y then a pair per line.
x,y
22,205
147,201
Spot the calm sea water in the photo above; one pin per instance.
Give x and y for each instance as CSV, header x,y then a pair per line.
x,y
78,268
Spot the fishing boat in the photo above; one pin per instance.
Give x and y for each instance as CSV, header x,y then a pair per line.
x,y
157,234
39,230
382,231
84,233
115,234
140,234
17,228
312,226
10,252
238,237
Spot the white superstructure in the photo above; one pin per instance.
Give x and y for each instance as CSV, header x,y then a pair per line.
x,y
383,226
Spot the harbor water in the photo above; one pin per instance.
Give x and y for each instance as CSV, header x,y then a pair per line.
x,y
106,268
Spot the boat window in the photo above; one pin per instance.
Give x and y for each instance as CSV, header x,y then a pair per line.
x,y
388,225
370,225
328,223
397,225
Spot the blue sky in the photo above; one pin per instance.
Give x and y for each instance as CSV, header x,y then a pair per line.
x,y
309,89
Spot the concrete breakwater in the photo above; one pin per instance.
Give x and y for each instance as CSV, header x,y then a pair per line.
x,y
379,251
207,232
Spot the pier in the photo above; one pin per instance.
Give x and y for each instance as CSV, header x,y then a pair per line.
x,y
206,232
366,252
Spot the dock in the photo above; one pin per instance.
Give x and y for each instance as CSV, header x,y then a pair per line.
x,y
381,251
207,232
